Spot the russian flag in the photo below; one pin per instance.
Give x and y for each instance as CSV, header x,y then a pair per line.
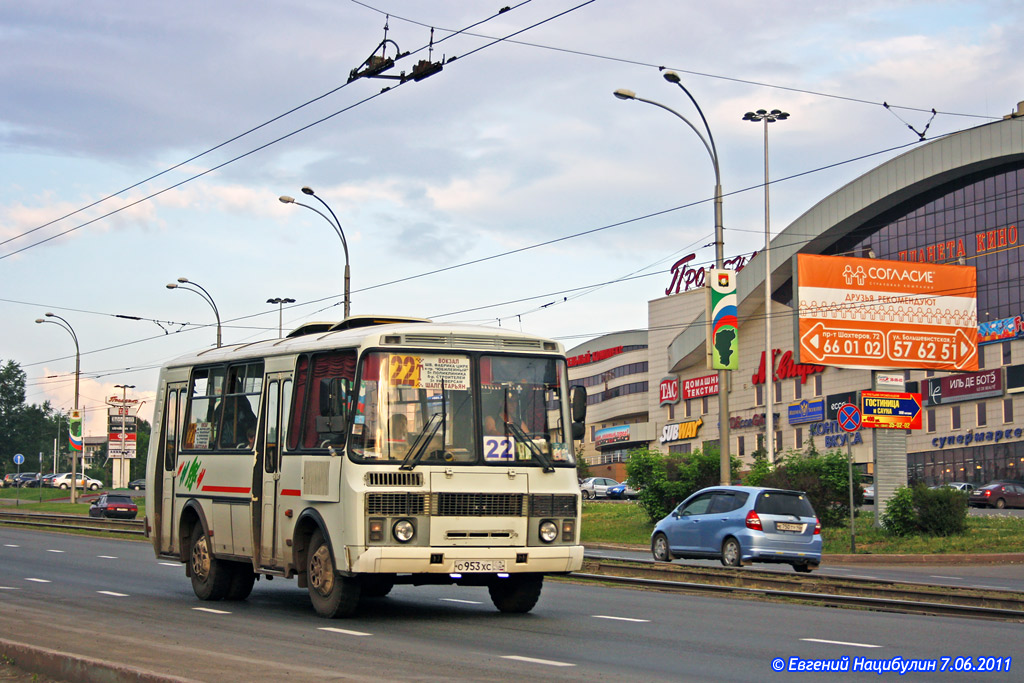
x,y
76,444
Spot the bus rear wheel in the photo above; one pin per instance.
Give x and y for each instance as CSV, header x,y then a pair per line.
x,y
242,580
517,594
332,595
210,577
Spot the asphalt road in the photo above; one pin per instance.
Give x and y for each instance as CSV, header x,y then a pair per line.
x,y
111,599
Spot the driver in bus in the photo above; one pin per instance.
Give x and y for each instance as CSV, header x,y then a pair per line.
x,y
508,411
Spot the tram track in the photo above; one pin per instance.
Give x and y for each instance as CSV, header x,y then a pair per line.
x,y
849,592
876,594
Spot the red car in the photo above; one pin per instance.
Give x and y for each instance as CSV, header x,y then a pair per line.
x,y
114,506
998,494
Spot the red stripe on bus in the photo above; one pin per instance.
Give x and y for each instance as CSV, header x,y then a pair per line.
x,y
226,489
291,492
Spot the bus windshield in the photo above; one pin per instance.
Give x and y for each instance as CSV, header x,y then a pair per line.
x,y
422,407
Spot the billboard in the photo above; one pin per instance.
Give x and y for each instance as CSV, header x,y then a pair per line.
x,y
967,387
890,410
875,314
723,332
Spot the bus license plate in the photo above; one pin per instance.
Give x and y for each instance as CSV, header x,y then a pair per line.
x,y
469,566
784,526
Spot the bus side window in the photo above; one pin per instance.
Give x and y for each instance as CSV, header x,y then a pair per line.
x,y
270,458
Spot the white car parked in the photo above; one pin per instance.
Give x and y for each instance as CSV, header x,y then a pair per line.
x,y
63,481
596,487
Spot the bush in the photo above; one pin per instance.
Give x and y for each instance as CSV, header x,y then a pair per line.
x,y
935,512
824,477
899,518
940,512
663,481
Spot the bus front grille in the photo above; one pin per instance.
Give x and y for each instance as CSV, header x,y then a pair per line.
x,y
552,505
394,479
396,504
479,504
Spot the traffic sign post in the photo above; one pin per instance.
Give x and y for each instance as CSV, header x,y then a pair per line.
x,y
849,421
18,459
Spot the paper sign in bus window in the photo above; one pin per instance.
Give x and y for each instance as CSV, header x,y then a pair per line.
x,y
499,448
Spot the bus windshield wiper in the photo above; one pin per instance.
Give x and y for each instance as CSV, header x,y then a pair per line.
x,y
540,455
419,444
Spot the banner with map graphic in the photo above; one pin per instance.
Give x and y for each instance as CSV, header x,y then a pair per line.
x,y
723,347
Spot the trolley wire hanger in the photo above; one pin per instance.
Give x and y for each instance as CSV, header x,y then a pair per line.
x,y
376,64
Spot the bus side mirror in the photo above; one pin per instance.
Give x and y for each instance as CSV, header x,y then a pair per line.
x,y
578,400
578,430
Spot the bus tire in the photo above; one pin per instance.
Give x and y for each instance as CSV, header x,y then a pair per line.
x,y
242,580
332,595
376,586
210,577
517,594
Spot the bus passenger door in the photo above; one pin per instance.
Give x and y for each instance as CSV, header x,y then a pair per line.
x,y
267,474
168,523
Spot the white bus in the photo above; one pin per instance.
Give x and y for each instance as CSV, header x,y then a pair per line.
x,y
373,452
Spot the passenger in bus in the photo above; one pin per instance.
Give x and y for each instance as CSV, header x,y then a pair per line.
x,y
398,435
507,411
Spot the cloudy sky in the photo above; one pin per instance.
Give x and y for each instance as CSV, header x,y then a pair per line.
x,y
143,142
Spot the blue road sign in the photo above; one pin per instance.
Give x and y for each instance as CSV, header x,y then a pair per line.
x,y
19,459
849,418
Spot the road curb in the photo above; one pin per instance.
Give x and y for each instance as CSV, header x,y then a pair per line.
x,y
869,558
69,667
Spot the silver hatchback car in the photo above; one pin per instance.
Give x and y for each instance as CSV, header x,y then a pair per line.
x,y
740,525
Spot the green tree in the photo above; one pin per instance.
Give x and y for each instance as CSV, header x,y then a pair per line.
x,y
663,481
824,477
25,429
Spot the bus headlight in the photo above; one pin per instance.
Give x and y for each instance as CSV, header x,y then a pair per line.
x,y
403,531
548,531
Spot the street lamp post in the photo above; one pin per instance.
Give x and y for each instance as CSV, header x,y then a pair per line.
x,y
187,285
725,464
78,372
336,224
280,307
769,360
124,442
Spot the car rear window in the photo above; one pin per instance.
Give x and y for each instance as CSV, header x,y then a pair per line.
x,y
118,499
781,503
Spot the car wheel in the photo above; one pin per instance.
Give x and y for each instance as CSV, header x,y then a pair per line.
x,y
64,487
1000,503
660,549
587,495
517,594
94,487
731,553
802,567
332,595
210,576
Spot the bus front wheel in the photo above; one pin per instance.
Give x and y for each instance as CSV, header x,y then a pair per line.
x,y
517,594
210,576
332,595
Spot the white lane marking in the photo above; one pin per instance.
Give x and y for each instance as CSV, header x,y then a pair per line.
x,y
112,593
54,551
993,588
637,621
343,631
8,588
11,545
533,660
464,602
107,557
951,578
862,576
171,564
838,642
210,610
39,580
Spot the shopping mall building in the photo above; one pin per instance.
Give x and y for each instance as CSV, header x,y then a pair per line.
x,y
955,200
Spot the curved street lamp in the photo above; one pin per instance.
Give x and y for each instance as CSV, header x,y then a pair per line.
x,y
336,224
280,307
78,371
725,464
767,117
187,285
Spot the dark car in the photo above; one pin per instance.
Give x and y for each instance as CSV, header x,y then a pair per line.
x,y
137,484
8,479
27,479
114,506
621,491
739,525
998,494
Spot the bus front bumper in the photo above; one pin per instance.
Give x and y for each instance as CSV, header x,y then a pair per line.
x,y
413,560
